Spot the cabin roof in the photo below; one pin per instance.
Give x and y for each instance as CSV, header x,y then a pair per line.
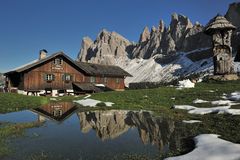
x,y
218,23
103,70
86,86
37,62
88,68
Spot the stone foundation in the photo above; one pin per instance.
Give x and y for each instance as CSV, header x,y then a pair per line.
x,y
227,77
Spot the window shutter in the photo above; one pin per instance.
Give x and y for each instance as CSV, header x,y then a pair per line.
x,y
45,77
63,77
53,77
117,80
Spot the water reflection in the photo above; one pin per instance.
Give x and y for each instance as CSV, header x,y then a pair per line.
x,y
107,124
56,111
110,124
113,123
118,132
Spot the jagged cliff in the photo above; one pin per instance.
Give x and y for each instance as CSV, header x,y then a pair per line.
x,y
181,35
108,48
233,15
162,53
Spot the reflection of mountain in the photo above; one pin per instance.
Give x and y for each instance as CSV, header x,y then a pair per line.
x,y
55,111
154,130
113,123
107,124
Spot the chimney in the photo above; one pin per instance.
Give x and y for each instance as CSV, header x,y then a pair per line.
x,y
42,54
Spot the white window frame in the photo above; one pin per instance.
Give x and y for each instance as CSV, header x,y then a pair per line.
x,y
58,61
105,79
117,80
68,77
49,77
92,79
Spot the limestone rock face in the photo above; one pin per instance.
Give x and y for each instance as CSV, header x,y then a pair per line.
x,y
233,14
145,35
159,42
196,39
108,48
179,27
86,43
167,45
112,48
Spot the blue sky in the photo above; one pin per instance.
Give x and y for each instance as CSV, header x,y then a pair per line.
x,y
26,26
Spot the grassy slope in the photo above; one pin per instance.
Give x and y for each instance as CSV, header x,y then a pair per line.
x,y
153,99
163,97
10,102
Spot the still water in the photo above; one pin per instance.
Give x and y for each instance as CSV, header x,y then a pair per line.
x,y
71,134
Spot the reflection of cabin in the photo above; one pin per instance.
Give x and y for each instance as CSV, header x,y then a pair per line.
x,y
56,112
58,72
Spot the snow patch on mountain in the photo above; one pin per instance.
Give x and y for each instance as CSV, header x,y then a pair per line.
x,y
148,70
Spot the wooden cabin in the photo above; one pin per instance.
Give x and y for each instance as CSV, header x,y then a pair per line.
x,y
58,72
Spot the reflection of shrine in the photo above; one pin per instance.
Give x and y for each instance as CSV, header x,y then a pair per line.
x,y
111,124
56,111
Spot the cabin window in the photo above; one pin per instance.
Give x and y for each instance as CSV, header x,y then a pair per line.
x,y
117,80
105,79
92,79
66,77
49,77
57,112
58,61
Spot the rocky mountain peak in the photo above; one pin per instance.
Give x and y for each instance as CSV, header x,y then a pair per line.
x,y
161,26
108,48
179,26
178,19
86,43
233,14
145,35
158,41
153,29
108,37
103,36
197,24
